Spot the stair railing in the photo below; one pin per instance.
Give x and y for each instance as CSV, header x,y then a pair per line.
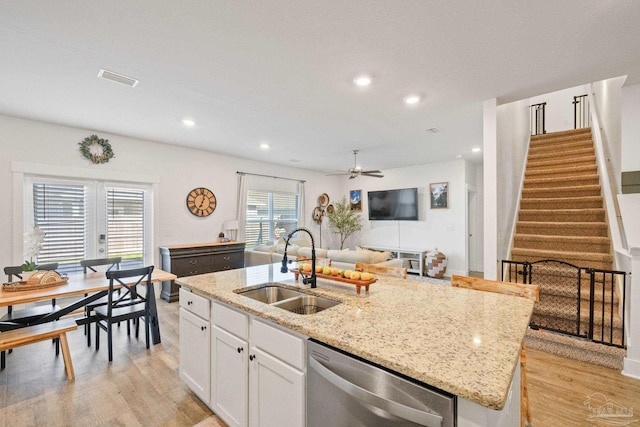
x,y
537,118
610,202
581,116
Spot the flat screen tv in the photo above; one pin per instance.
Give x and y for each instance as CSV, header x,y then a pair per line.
x,y
395,205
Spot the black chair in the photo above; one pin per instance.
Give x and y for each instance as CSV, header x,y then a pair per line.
x,y
27,315
89,265
128,305
47,267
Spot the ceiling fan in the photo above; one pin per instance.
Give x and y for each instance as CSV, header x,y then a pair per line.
x,y
356,170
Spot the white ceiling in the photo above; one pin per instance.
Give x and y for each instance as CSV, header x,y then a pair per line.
x,y
281,71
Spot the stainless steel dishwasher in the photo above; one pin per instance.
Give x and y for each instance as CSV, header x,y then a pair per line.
x,y
343,391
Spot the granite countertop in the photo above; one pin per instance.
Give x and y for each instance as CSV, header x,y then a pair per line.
x,y
462,341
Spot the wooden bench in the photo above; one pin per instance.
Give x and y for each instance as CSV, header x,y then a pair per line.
x,y
46,331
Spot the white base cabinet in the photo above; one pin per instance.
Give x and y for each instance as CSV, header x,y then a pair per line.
x,y
229,377
257,371
195,338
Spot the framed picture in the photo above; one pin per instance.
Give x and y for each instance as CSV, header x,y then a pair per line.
x,y
355,200
439,195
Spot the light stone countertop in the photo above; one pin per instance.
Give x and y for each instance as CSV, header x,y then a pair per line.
x,y
461,341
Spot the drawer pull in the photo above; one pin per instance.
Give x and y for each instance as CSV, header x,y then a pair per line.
x,y
252,356
203,328
227,258
189,302
240,349
227,267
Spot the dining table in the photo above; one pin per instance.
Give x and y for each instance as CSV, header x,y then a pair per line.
x,y
88,286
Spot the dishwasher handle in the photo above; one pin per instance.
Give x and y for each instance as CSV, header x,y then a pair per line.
x,y
366,396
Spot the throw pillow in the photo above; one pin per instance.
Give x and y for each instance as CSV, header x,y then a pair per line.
x,y
376,256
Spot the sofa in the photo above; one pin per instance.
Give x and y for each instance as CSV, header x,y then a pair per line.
x,y
344,259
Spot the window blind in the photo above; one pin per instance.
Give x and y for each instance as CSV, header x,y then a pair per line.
x,y
125,225
60,212
269,216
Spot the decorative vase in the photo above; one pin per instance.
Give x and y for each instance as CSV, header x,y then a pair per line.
x,y
26,274
436,264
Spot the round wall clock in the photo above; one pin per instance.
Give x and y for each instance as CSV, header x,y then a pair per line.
x,y
201,202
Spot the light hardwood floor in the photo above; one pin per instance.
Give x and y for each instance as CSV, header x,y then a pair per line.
x,y
143,387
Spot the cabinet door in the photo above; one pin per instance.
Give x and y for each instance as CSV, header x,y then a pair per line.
x,y
229,377
276,392
195,339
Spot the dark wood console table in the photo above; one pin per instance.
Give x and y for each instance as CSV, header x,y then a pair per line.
x,y
200,258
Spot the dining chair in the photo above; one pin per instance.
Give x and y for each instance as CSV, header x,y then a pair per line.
x,y
128,305
531,292
47,267
93,265
25,315
400,272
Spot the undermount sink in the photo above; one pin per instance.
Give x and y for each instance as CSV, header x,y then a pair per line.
x,y
270,293
306,304
288,299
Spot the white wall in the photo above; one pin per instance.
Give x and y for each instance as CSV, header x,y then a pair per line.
x,y
513,141
490,179
630,150
608,104
179,170
436,228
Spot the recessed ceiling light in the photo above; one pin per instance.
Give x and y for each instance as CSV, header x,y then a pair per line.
x,y
188,122
459,156
362,80
476,149
433,130
264,146
412,99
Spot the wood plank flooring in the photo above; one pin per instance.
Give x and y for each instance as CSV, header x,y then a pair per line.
x,y
142,388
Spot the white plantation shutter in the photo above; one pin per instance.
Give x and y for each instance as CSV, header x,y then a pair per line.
x,y
60,212
125,225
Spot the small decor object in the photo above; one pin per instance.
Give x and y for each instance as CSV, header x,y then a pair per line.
x,y
33,242
344,220
330,209
323,200
439,195
317,214
436,264
222,239
39,280
355,197
201,202
96,149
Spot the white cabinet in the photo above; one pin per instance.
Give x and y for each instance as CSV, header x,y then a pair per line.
x,y
276,396
257,371
195,337
229,377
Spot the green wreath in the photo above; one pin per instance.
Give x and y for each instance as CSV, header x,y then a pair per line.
x,y
96,149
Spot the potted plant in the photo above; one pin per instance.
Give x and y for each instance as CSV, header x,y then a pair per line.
x,y
33,241
343,220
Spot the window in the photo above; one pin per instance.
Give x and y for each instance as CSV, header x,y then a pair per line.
x,y
89,219
269,216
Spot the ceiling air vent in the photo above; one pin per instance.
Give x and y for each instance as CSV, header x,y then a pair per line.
x,y
118,78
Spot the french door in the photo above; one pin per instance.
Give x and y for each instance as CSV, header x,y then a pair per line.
x,y
85,219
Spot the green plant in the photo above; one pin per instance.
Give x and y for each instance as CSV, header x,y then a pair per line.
x,y
28,265
343,220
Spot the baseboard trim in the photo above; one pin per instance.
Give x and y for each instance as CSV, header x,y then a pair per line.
x,y
631,368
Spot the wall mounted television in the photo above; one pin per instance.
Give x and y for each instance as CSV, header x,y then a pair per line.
x,y
393,205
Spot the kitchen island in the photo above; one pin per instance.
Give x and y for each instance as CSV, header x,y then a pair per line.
x,y
464,342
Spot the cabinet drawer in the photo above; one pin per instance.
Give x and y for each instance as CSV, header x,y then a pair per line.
x,y
194,303
230,320
280,344
184,267
228,261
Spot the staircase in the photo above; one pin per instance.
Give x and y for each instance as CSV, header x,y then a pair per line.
x,y
562,217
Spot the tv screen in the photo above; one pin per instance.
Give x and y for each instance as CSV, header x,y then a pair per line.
x,y
399,205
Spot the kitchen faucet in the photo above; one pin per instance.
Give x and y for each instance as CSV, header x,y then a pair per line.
x,y
306,280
